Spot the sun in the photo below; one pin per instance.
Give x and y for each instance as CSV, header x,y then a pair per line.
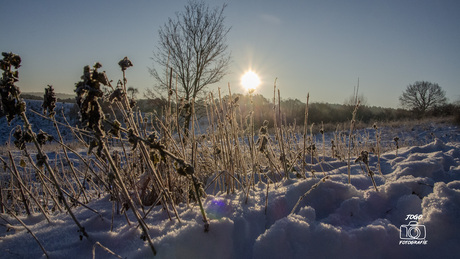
x,y
250,81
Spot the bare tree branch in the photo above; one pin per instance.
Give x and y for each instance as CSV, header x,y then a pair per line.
x,y
194,46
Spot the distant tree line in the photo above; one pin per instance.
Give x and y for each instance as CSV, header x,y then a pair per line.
x,y
293,110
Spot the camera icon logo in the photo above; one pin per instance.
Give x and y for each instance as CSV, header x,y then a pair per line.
x,y
412,231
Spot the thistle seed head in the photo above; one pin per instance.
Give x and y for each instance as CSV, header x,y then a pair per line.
x,y
41,159
43,137
11,104
363,157
117,95
125,63
88,92
115,130
49,101
10,59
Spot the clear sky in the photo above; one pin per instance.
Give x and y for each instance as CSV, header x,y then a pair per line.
x,y
321,47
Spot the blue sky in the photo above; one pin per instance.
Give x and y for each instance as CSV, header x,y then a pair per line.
x,y
316,47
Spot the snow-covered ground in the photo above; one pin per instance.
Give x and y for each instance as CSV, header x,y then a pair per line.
x,y
38,122
414,214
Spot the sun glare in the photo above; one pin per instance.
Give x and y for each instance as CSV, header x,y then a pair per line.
x,y
250,81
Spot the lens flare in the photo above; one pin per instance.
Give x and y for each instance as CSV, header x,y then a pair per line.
x,y
218,209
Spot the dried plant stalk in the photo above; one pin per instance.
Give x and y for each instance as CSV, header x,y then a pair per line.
x,y
308,192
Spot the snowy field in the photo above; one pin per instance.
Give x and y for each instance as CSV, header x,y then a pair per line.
x,y
38,122
414,214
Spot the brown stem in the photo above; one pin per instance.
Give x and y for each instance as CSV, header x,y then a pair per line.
x,y
28,230
15,172
128,198
51,172
23,187
72,169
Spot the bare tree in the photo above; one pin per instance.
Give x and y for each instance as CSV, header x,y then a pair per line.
x,y
422,96
354,99
193,46
133,91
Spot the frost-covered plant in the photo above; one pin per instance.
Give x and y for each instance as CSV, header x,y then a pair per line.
x,y
377,141
49,101
88,94
352,125
364,157
125,63
13,105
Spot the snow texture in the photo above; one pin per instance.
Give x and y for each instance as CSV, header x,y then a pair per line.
x,y
419,186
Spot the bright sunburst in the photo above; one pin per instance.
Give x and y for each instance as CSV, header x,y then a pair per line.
x,y
250,81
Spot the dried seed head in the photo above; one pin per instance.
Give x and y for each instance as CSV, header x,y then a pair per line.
x,y
185,169
101,77
92,144
115,130
263,130
49,101
97,65
19,140
41,159
152,138
117,94
88,92
363,157
265,123
125,63
10,59
132,138
86,73
43,137
11,104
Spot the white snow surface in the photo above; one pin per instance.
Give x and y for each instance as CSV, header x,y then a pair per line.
x,y
334,220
